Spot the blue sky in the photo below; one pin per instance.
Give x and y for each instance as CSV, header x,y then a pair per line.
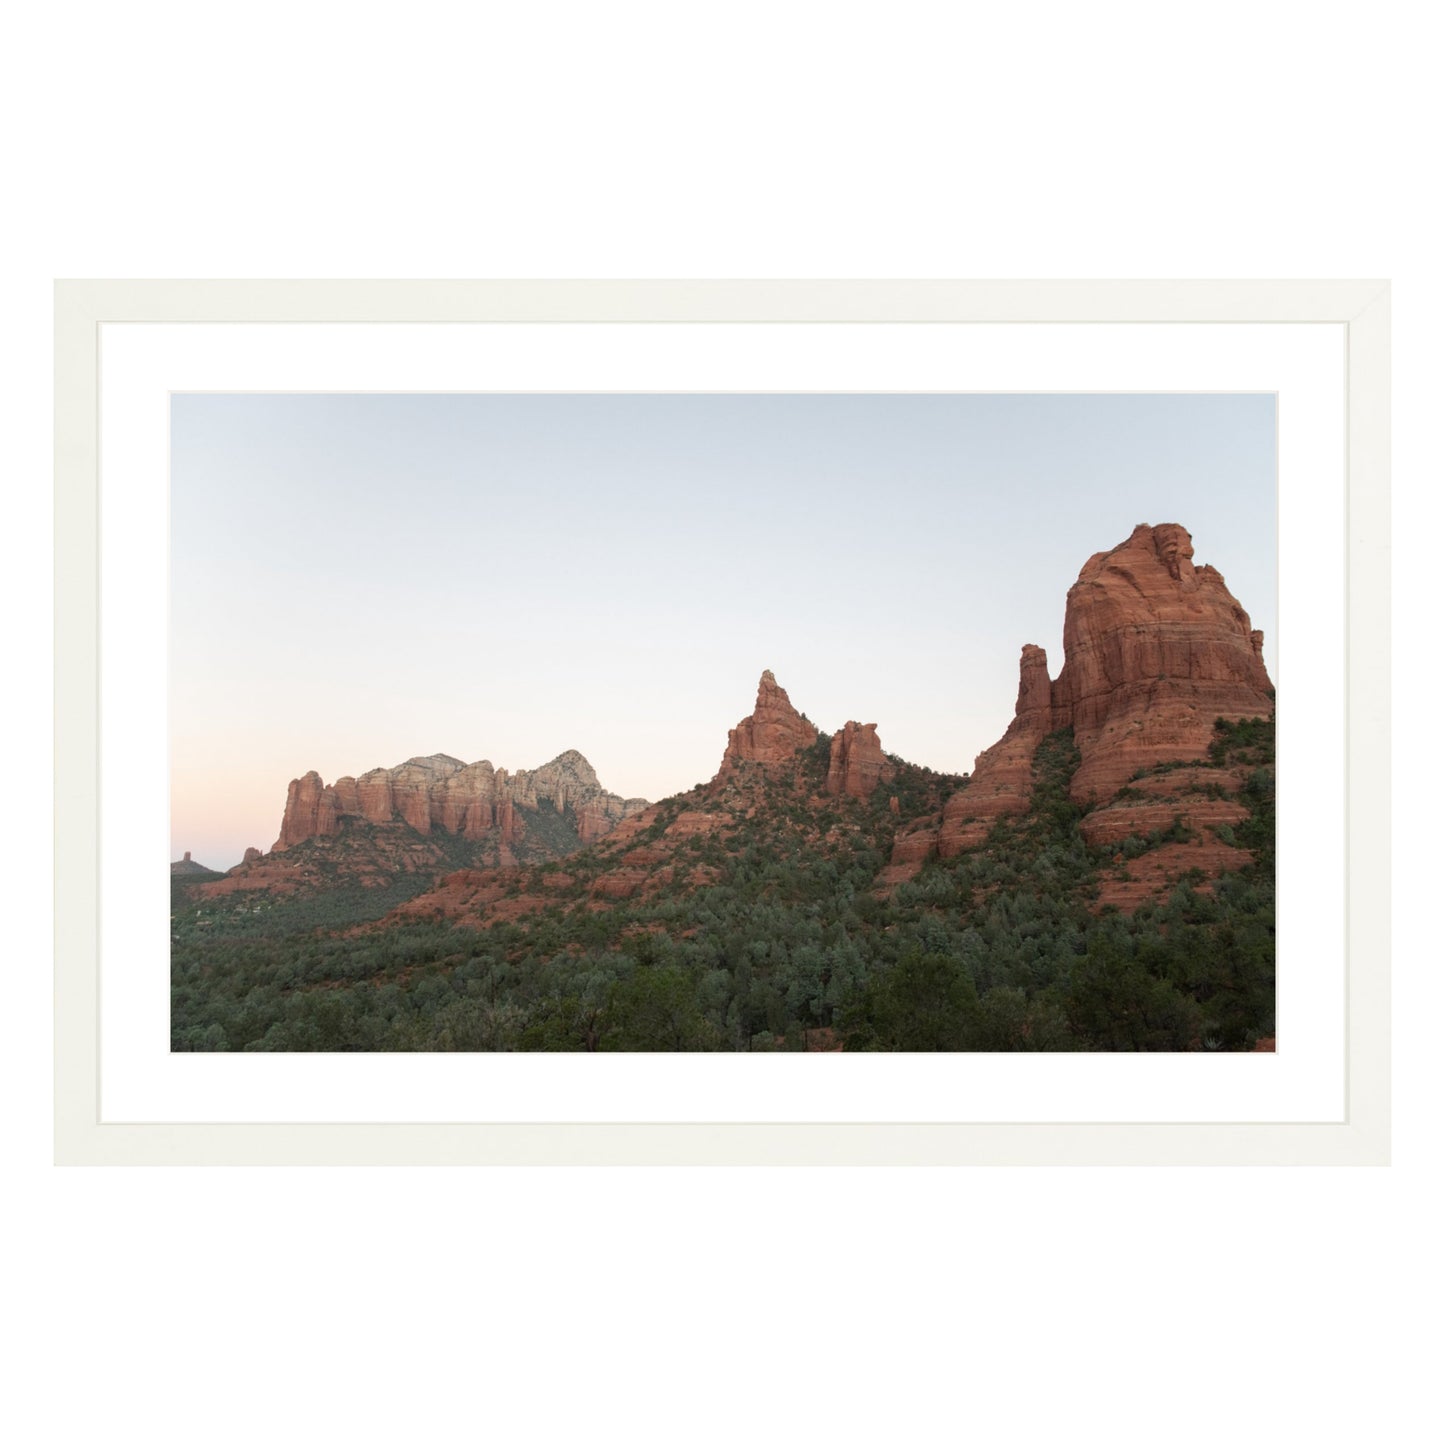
x,y
360,578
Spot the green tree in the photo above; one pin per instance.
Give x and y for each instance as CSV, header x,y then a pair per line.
x,y
1116,1005
925,1003
656,1011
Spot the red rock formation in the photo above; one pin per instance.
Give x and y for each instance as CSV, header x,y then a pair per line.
x,y
243,868
187,866
509,827
1153,874
1117,821
412,786
374,797
696,823
1003,775
913,845
462,802
593,821
311,811
774,732
856,764
1154,650
657,849
348,796
442,794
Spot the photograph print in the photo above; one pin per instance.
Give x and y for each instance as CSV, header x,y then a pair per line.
x,y
682,722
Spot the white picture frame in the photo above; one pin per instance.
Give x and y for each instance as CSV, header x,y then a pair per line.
x,y
82,308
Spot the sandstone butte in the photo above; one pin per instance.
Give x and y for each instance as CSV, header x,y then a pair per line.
x,y
1155,649
775,731
473,801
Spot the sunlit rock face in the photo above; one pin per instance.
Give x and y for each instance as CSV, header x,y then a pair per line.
x,y
442,794
773,732
856,763
1155,649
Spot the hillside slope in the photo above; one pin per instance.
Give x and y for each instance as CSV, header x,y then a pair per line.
x,y
819,893
364,844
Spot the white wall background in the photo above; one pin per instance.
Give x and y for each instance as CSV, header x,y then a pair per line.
x,y
782,139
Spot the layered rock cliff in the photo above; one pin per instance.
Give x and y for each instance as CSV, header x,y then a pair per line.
x,y
473,801
396,828
1155,649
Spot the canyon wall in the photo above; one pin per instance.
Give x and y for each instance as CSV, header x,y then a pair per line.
x,y
443,794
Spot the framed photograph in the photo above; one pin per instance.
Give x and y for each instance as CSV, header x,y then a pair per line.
x,y
722,722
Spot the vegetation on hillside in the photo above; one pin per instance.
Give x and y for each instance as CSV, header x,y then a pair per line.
x,y
770,933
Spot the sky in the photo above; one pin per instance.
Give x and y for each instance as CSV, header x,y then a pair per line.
x,y
357,579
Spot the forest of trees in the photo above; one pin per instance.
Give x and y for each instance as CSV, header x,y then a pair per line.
x,y
787,946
